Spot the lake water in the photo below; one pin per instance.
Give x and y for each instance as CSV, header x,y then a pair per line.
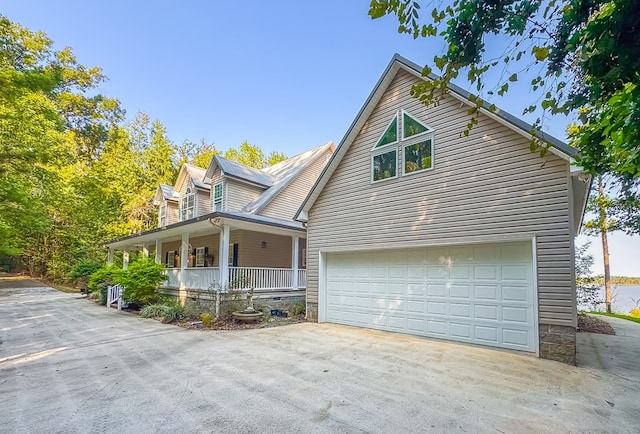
x,y
622,299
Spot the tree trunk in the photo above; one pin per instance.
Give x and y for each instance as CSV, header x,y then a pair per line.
x,y
605,245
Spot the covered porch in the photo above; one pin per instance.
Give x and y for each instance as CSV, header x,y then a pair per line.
x,y
224,251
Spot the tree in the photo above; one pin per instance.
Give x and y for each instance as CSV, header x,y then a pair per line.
x,y
601,205
585,56
46,120
252,156
197,154
586,285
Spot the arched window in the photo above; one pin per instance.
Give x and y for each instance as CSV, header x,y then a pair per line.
x,y
187,205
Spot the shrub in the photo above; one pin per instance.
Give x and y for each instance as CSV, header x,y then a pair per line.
x,y
102,278
169,312
142,280
82,271
155,310
206,319
635,312
298,308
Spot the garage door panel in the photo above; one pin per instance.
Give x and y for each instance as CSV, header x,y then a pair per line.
x,y
435,272
459,291
515,293
515,272
515,314
436,290
460,310
481,294
487,334
460,331
486,292
460,272
485,272
437,328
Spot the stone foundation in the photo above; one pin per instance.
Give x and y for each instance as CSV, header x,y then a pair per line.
x,y
312,311
558,343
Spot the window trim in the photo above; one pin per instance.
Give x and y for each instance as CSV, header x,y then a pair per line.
x,y
396,118
213,197
162,215
385,151
184,205
171,259
429,129
199,254
422,138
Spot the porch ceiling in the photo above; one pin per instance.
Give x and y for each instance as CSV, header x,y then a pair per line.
x,y
207,224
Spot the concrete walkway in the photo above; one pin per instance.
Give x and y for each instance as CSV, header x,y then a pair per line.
x,y
617,354
68,365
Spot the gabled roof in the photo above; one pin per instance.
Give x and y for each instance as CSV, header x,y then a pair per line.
x,y
284,173
197,175
164,192
400,63
239,171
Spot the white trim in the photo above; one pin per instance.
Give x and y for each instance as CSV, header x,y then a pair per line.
x,y
536,324
322,286
396,118
213,196
402,113
199,250
423,138
385,151
171,259
322,274
183,211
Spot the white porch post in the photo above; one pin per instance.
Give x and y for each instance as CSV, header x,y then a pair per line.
x,y
223,257
184,257
295,248
110,256
125,258
145,251
158,252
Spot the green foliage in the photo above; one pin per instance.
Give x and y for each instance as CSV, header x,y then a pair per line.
x,y
141,281
586,54
587,289
82,271
167,311
619,315
299,308
252,156
105,276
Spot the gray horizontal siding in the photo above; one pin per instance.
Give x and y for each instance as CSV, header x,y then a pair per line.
x,y
239,194
287,202
484,187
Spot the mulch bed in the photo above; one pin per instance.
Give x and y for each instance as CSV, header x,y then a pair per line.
x,y
237,325
593,324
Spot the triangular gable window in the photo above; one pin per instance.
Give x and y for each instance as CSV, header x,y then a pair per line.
x,y
411,126
390,135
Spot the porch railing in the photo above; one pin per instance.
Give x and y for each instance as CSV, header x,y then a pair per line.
x,y
302,278
114,293
200,278
174,278
260,278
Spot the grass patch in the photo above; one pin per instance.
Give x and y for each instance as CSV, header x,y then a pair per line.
x,y
618,315
63,288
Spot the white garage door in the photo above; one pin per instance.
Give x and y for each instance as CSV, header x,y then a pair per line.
x,y
482,294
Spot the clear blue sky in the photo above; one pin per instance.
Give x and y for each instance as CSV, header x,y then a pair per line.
x,y
283,75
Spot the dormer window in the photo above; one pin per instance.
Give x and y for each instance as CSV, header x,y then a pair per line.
x,y
216,203
414,141
163,215
187,205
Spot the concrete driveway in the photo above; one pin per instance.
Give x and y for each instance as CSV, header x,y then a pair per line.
x,y
68,365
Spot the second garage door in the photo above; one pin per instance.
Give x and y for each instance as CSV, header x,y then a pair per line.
x,y
482,294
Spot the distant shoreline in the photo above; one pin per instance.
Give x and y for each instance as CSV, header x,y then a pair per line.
x,y
615,280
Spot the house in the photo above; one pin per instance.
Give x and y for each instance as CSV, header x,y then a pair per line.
x,y
231,226
415,228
